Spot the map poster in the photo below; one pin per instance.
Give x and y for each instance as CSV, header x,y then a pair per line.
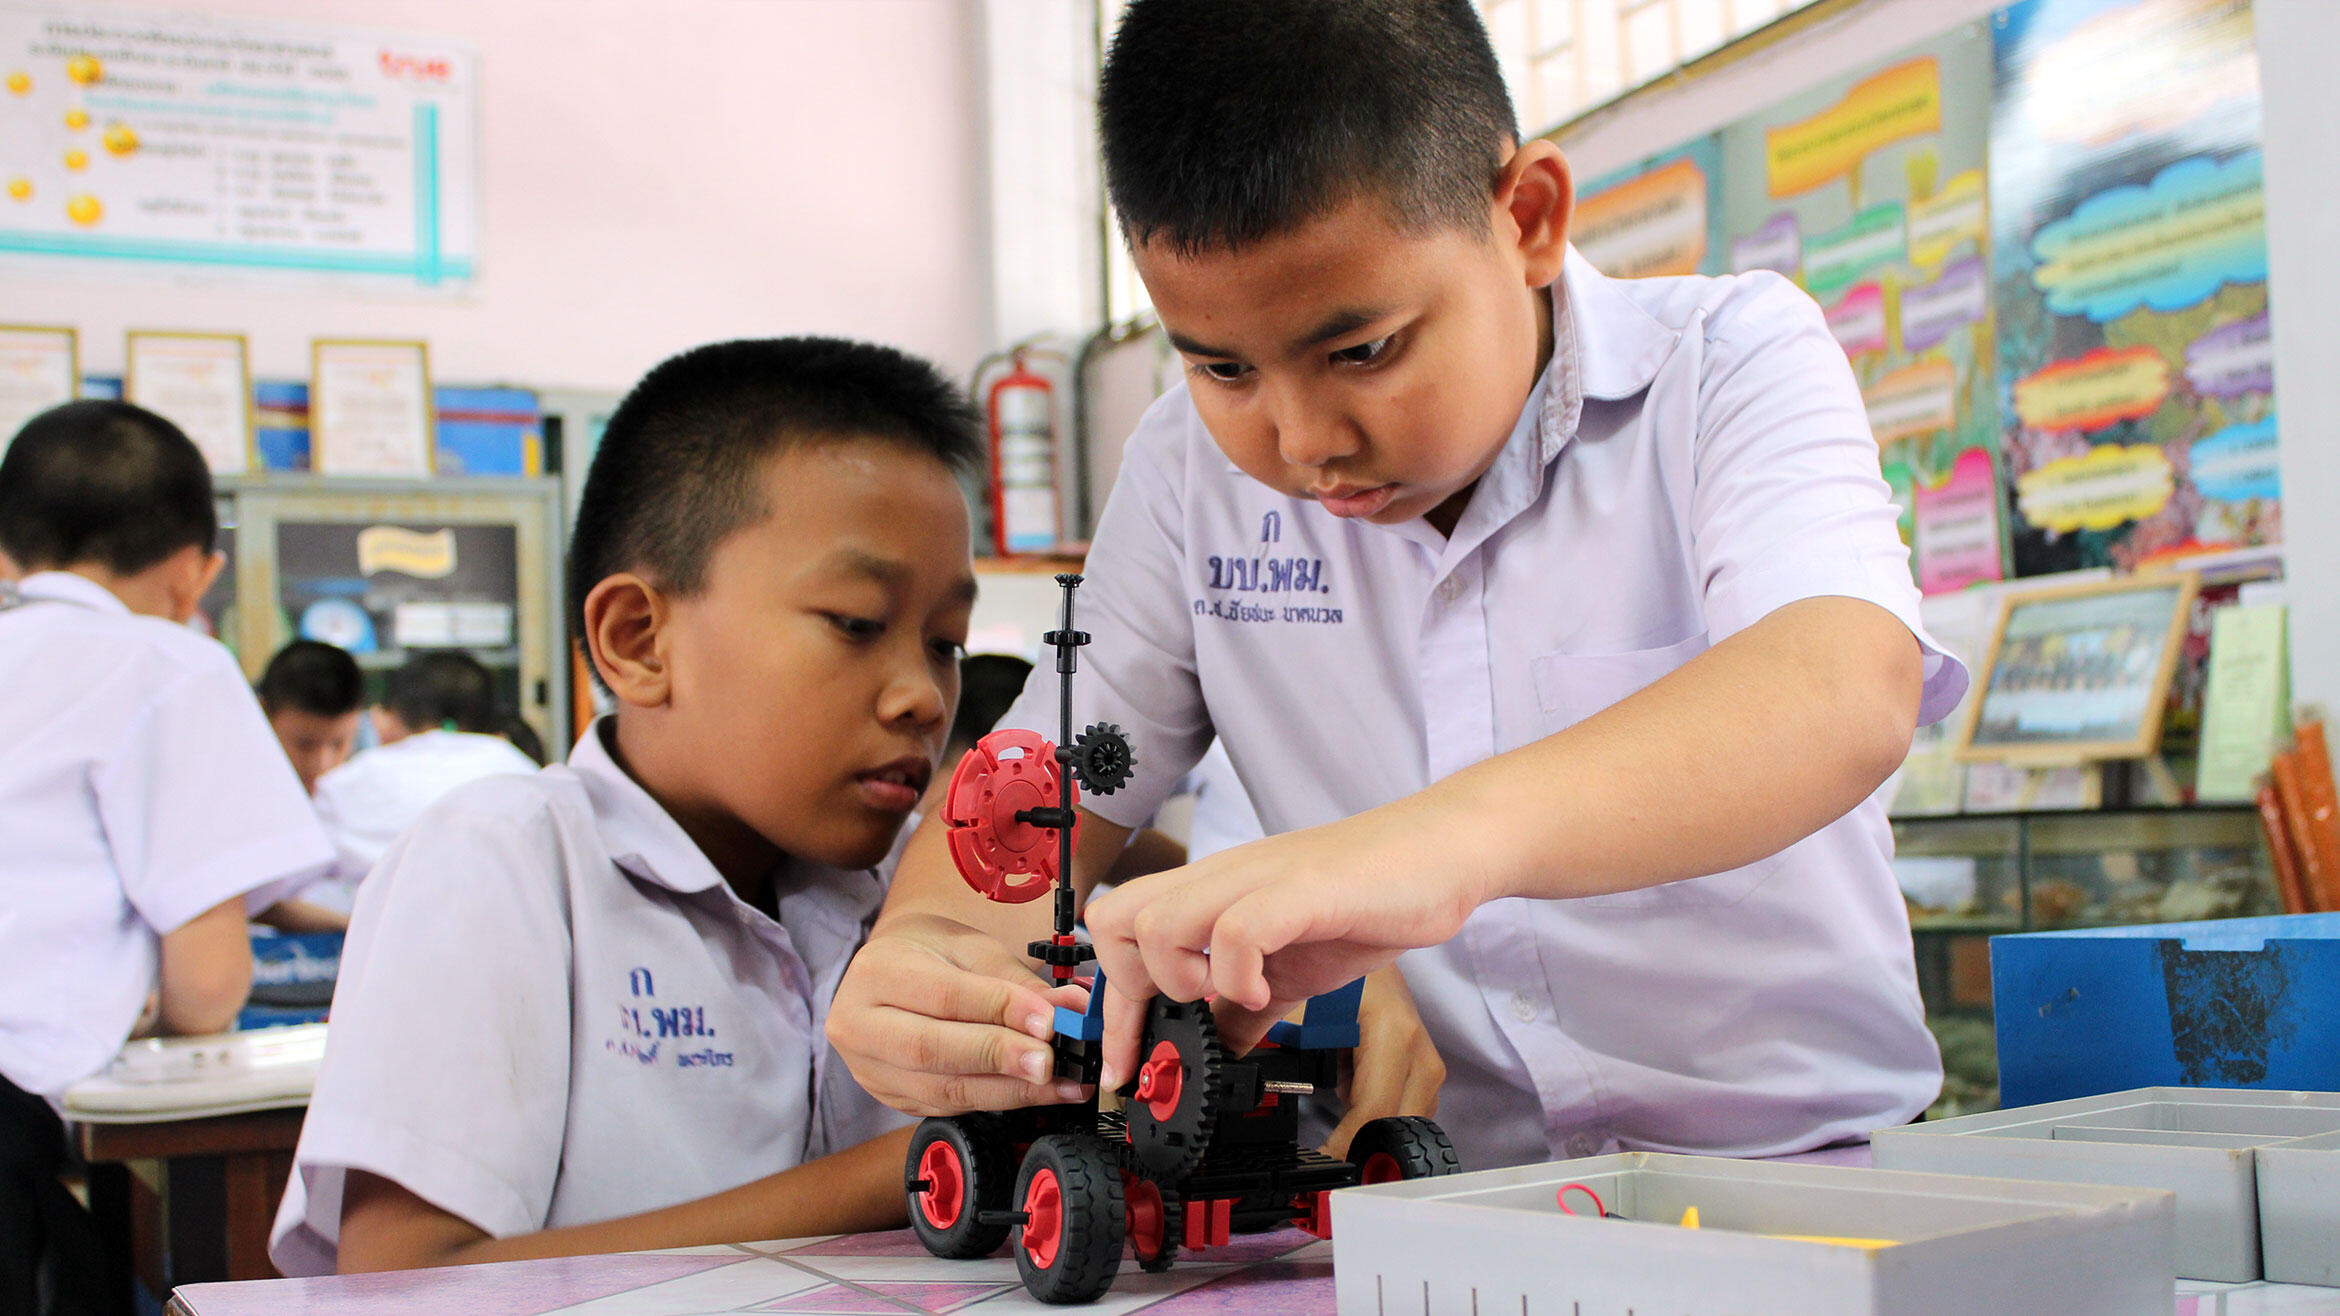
x,y
1655,218
173,140
2136,377
1869,191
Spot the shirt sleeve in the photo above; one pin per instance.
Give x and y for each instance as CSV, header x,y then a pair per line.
x,y
199,802
447,1068
1138,672
1788,501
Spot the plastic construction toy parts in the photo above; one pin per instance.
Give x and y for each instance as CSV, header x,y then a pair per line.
x,y
1208,1144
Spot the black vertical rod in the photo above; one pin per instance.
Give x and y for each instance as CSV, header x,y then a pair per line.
x,y
1067,658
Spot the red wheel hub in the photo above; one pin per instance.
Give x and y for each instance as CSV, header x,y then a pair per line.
x,y
945,1194
1381,1167
1043,1218
1160,1079
1149,1223
1006,773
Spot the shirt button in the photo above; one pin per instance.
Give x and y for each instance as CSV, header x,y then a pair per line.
x,y
1583,1144
1449,590
1523,1007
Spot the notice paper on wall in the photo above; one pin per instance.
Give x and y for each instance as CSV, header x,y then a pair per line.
x,y
39,369
2246,710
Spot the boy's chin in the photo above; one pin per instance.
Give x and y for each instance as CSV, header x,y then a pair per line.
x,y
862,847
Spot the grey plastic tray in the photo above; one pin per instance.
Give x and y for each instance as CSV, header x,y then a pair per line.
x,y
2200,1143
2299,1210
1496,1243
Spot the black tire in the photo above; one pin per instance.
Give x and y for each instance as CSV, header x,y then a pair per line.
x,y
1402,1147
1155,1246
947,1220
1070,1191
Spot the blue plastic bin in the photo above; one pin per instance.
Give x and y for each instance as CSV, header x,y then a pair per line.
x,y
2239,1003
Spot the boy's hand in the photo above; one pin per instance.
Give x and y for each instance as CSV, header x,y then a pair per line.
x,y
937,1018
1267,925
1395,1069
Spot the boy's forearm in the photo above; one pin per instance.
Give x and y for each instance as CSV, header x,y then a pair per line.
x,y
1757,743
847,1192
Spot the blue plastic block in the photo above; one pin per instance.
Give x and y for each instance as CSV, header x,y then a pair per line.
x,y
2240,1003
1330,1023
1088,1026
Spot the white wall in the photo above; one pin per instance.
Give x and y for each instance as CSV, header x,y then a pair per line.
x,y
655,174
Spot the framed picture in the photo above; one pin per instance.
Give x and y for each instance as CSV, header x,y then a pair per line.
x,y
370,409
2079,673
40,368
200,382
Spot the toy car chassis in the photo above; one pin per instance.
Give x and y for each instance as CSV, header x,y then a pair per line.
x,y
1204,1146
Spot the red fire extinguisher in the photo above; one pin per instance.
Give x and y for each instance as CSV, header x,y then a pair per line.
x,y
1021,408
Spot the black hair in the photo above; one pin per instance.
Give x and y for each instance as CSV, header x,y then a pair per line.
x,y
676,472
443,687
311,676
988,686
106,483
1228,121
515,728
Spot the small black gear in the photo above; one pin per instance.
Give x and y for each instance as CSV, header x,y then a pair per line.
x,y
1101,758
1170,1141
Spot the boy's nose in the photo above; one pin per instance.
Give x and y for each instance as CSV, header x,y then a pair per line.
x,y
916,697
1313,437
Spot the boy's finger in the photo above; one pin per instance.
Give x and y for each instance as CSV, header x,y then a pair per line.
x,y
948,1049
980,995
1125,1022
1246,933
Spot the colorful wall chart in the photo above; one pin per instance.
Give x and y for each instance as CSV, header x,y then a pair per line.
x,y
1869,191
2136,378
1655,218
166,140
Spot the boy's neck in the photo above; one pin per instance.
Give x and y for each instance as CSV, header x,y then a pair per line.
x,y
744,859
1447,515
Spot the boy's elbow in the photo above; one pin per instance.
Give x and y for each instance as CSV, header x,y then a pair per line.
x,y
1888,720
206,1001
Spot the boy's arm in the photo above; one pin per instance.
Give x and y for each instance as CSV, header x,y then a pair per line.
x,y
206,971
1774,732
385,1227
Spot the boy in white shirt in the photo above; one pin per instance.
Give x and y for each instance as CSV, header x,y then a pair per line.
x,y
581,1011
142,799
314,696
436,723
1557,624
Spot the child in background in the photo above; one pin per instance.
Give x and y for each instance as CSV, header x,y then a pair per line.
x,y
438,728
581,1011
314,696
143,801
1558,625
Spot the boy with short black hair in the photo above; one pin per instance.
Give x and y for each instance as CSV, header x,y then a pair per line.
x,y
314,696
581,1011
142,799
1557,626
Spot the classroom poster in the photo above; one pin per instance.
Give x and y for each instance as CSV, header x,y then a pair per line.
x,y
159,140
1869,191
1654,218
2136,377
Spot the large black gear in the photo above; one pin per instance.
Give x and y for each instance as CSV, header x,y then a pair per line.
x,y
1171,1145
1101,758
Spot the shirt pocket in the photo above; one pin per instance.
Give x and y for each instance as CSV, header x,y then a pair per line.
x,y
1571,687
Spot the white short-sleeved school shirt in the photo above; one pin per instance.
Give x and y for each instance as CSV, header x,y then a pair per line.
x,y
1695,456
552,1010
139,786
366,802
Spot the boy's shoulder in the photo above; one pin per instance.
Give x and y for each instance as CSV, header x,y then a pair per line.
x,y
1732,307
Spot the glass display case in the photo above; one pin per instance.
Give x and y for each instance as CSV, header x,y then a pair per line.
x,y
1968,877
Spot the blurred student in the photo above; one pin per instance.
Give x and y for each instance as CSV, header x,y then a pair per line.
x,y
438,726
142,799
315,697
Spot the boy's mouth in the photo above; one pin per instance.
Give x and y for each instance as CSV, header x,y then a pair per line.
x,y
895,787
1353,500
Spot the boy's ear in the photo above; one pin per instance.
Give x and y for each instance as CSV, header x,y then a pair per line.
x,y
625,617
182,579
1536,195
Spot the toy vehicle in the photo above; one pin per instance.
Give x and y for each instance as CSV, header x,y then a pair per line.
x,y
1206,1145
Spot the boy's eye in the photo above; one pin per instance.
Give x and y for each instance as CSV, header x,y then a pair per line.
x,y
949,651
859,628
1364,353
1225,372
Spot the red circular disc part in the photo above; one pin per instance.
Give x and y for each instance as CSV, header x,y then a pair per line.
x,y
1149,1223
945,1194
1159,1080
1381,1167
1043,1219
1006,773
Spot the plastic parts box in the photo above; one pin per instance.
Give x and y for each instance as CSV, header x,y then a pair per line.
x,y
1496,1243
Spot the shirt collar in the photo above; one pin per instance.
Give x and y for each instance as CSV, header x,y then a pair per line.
x,y
1619,346
640,835
66,587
